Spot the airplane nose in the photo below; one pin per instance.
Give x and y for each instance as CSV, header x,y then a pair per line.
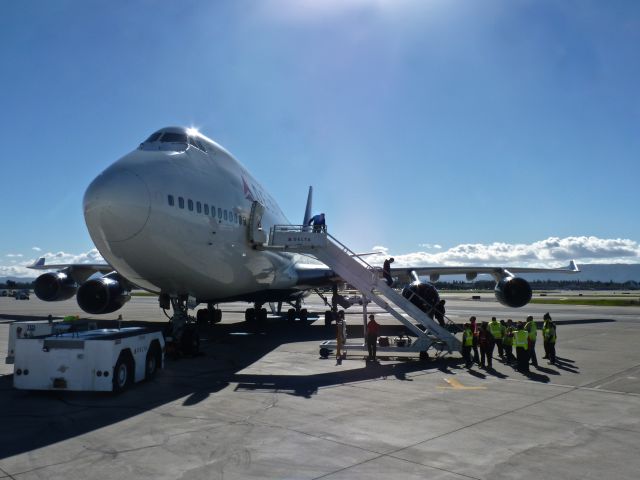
x,y
116,205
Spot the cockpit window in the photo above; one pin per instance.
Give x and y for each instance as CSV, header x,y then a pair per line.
x,y
153,137
194,142
170,137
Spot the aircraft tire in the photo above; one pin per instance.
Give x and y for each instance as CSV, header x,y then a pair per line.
x,y
328,318
291,315
304,315
202,316
190,342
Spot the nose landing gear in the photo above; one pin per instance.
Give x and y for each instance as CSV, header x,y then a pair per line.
x,y
181,335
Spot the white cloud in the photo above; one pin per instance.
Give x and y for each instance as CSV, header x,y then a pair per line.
x,y
37,249
552,252
21,270
430,246
14,255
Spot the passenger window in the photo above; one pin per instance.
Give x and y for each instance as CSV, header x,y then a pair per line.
x,y
213,211
181,202
206,209
235,218
198,207
190,204
170,199
219,213
225,214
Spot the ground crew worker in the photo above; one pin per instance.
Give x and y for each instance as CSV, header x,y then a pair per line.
x,y
507,341
485,341
532,328
467,344
386,270
373,328
318,222
474,330
438,312
521,340
549,338
497,332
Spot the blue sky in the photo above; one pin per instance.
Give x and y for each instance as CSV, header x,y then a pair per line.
x,y
443,131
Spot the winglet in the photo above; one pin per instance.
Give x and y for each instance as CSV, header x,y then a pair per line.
x,y
38,263
307,211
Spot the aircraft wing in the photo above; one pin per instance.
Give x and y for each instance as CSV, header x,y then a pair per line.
x,y
78,271
471,273
314,276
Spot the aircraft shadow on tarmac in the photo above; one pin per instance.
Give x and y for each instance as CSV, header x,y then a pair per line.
x,y
10,318
33,420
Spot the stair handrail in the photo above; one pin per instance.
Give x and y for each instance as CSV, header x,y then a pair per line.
x,y
356,257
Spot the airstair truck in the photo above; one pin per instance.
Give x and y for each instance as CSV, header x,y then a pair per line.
x,y
103,360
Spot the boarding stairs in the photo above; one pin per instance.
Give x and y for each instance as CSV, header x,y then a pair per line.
x,y
356,271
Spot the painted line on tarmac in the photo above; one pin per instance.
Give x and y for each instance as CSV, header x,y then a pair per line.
x,y
454,384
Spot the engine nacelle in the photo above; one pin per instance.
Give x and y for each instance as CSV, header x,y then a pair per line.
x,y
103,295
513,292
425,296
54,287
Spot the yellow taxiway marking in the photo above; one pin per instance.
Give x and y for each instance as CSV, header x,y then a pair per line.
x,y
454,384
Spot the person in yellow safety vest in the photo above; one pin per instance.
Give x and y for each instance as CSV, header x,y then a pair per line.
x,y
507,341
532,328
467,344
497,332
521,340
475,331
549,337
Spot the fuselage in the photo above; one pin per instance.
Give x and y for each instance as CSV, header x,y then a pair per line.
x,y
173,216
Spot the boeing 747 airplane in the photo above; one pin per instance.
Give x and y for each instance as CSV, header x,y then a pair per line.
x,y
180,217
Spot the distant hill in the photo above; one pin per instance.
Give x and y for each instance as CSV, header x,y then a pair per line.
x,y
615,272
618,273
17,279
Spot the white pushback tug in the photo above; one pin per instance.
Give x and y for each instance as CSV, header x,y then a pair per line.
x,y
106,359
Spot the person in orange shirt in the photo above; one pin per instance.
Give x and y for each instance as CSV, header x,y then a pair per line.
x,y
373,328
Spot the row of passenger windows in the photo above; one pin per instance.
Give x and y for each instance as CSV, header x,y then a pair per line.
x,y
205,209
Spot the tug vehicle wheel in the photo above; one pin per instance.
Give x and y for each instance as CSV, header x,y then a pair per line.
x,y
152,362
122,373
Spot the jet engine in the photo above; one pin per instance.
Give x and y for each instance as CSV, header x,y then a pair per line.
x,y
423,295
103,295
54,286
513,292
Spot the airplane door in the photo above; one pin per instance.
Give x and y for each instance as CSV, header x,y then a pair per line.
x,y
256,233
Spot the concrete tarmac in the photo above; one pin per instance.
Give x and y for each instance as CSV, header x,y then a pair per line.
x,y
260,403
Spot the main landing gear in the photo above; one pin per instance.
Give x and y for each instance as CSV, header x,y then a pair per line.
x,y
209,315
256,314
298,312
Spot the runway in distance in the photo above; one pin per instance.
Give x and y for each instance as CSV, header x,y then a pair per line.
x,y
180,216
